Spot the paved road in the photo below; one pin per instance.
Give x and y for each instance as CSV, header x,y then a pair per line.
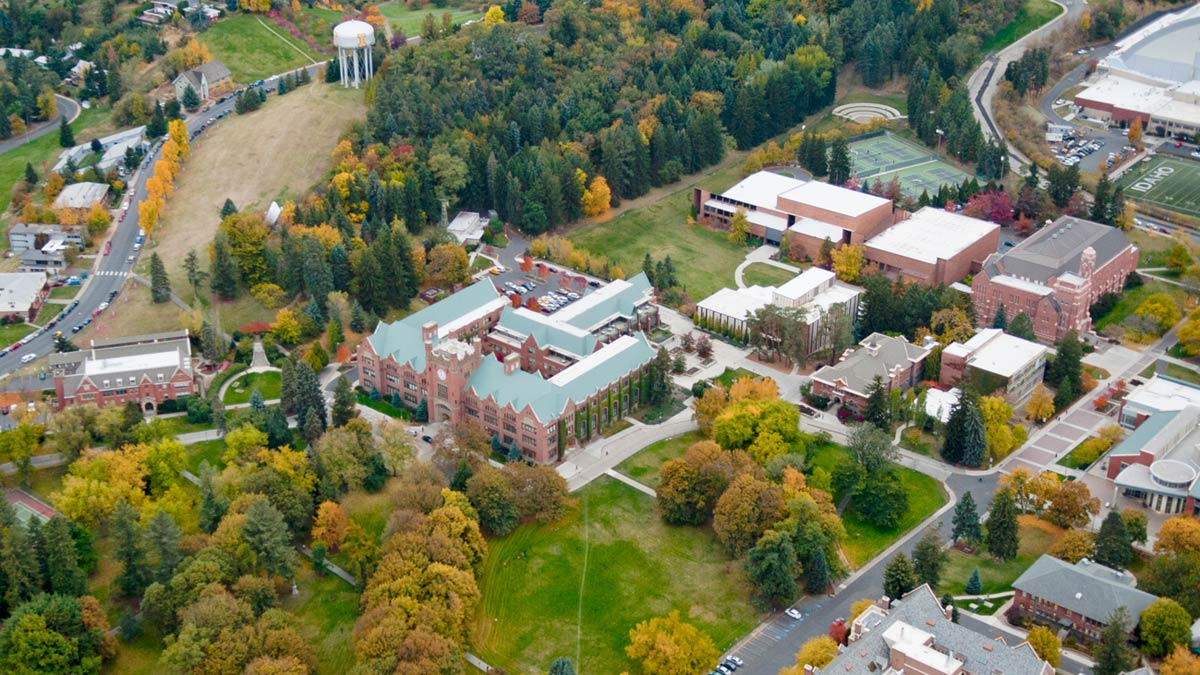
x,y
106,278
68,108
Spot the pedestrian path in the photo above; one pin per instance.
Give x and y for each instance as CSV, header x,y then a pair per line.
x,y
112,273
631,482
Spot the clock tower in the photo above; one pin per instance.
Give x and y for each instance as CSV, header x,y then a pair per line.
x,y
449,365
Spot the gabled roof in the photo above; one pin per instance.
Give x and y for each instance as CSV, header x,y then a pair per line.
x,y
1090,593
546,331
214,70
1056,249
878,356
80,195
618,298
401,339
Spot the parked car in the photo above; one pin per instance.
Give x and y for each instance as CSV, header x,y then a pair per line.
x,y
794,613
28,357
107,247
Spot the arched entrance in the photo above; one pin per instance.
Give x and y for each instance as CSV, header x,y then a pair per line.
x,y
149,407
442,412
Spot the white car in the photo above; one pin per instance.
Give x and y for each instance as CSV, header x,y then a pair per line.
x,y
28,357
794,613
1196,154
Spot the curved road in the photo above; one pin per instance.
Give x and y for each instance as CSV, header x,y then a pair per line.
x,y
107,277
67,107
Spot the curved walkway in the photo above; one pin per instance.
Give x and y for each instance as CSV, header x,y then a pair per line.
x,y
866,112
762,254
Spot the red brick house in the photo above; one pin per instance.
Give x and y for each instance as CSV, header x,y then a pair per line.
x,y
897,361
1055,276
147,369
1078,597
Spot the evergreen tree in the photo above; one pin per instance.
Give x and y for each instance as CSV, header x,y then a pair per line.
x,y
62,572
358,317
312,426
31,176
1102,200
816,573
343,403
287,385
19,565
1003,535
1113,655
877,411
1068,363
160,283
771,567
929,558
839,161
267,534
462,474
1022,327
130,552
224,270
228,208
308,396
660,378
966,521
213,504
66,137
1064,395
1112,543
948,601
162,545
220,422
562,666
1001,319
974,584
190,100
899,577
966,440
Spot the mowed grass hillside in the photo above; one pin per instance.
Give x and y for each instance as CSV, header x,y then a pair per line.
x,y
43,152
252,51
409,20
703,258
576,587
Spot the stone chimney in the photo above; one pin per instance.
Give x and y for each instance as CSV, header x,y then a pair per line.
x,y
885,602
948,610
511,363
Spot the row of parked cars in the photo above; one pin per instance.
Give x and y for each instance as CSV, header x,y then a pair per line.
x,y
728,665
1074,149
555,300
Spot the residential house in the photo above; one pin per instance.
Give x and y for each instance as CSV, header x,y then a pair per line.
x,y
915,635
898,362
146,369
995,361
23,236
51,259
22,295
1079,597
1055,276
209,80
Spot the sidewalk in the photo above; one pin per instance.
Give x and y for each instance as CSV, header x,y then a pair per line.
x,y
581,466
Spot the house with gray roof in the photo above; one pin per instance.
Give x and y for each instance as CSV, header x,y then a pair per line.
x,y
80,196
534,382
1055,275
915,634
24,236
898,362
209,80
146,369
22,295
1079,597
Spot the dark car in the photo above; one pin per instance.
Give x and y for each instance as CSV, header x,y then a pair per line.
x,y
427,439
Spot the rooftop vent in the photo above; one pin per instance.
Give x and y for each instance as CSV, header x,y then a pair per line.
x,y
1078,595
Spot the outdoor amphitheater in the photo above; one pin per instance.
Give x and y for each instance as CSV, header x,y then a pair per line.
x,y
882,156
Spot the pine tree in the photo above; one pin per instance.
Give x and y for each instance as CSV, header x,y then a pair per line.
x,y
160,283
1064,395
899,577
31,176
1001,319
66,137
877,411
974,584
162,544
562,666
308,397
1022,327
966,441
343,403
816,573
213,504
929,558
267,534
1113,655
312,427
19,566
966,521
195,275
224,269
63,575
130,552
228,208
220,422
190,100
287,385
839,161
948,601
358,317
1112,543
1003,535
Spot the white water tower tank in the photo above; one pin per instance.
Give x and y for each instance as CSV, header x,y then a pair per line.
x,y
354,40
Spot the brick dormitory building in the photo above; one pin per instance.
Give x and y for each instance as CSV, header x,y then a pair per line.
x,y
539,382
147,369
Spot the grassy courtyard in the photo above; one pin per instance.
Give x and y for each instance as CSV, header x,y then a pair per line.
x,y
252,51
240,390
1132,298
576,587
10,333
864,541
643,467
705,260
410,20
1037,536
762,274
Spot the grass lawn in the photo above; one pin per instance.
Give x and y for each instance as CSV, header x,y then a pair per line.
x,y
47,313
64,292
43,152
481,263
897,101
864,541
1132,298
762,274
1174,370
326,609
731,375
1037,536
205,451
10,333
1031,15
131,313
266,383
643,467
383,407
1152,247
138,656
576,587
409,20
704,258
253,52
1071,460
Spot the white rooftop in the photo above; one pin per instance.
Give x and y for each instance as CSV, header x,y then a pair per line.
x,y
19,290
818,229
834,199
1020,284
593,299
467,226
938,403
551,321
738,303
995,351
932,234
80,195
595,360
915,644
123,364
1164,395
761,189
805,283
766,220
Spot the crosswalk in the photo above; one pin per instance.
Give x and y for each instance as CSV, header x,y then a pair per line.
x,y
112,273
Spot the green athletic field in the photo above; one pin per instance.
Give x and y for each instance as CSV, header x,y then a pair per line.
x,y
880,158
1170,182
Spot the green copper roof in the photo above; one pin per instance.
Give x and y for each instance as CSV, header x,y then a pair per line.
x,y
547,332
402,339
615,298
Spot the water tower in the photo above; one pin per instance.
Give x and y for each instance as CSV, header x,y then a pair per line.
x,y
354,40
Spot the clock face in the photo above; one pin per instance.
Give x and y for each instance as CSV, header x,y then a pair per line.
x,y
441,373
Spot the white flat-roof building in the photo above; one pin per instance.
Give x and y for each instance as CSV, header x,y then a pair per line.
x,y
994,360
22,294
939,403
80,196
934,246
467,228
1158,394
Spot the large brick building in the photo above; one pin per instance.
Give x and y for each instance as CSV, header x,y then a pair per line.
x,y
1078,597
995,361
934,246
538,382
1157,463
146,369
1055,276
898,362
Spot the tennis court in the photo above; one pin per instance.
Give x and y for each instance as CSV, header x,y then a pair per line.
x,y
1169,182
882,157
27,507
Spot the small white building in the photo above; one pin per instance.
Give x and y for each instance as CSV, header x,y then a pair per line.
x,y
939,403
1003,360
24,236
80,196
1158,394
468,228
22,294
113,149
